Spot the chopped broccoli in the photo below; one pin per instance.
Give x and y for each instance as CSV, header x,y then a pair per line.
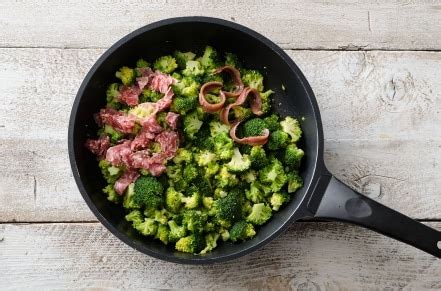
x,y
232,60
183,57
128,199
203,138
141,63
135,217
160,216
191,244
194,200
111,194
294,182
210,58
273,175
256,193
258,157
272,122
148,227
110,173
165,64
190,172
193,68
126,75
204,158
266,100
143,110
293,156
182,105
174,172
112,133
194,220
173,199
210,242
260,214
241,113
242,230
278,199
176,231
211,169
223,146
183,156
278,140
225,235
239,162
187,87
149,95
249,176
253,79
228,209
192,124
225,179
112,95
292,127
207,202
148,191
163,233
217,128
254,127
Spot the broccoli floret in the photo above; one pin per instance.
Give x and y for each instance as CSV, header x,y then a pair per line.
x,y
223,146
148,191
182,105
194,200
292,127
295,182
135,217
191,244
176,231
260,214
110,173
239,162
141,63
249,176
193,68
163,233
174,172
190,172
266,100
192,124
183,57
128,201
160,216
194,220
217,128
256,193
278,199
210,58
187,87
183,156
225,179
204,158
272,122
242,230
111,194
273,175
143,110
220,193
148,227
293,156
211,169
212,78
126,75
254,127
210,243
232,60
165,64
207,202
112,96
258,157
253,79
203,139
112,133
149,95
241,113
227,210
278,140
173,199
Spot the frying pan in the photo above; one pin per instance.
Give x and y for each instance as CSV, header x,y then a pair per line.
x,y
322,196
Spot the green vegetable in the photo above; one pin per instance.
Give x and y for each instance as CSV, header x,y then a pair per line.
x,y
242,230
254,127
148,192
260,214
239,162
165,64
291,126
112,95
278,140
294,182
191,244
273,175
278,199
126,75
182,58
293,156
141,63
253,79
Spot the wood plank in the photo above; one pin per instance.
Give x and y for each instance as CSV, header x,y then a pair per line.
x,y
309,256
381,112
293,24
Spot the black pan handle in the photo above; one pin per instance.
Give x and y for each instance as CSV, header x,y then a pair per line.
x,y
341,203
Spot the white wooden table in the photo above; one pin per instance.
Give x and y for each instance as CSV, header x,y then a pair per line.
x,y
375,68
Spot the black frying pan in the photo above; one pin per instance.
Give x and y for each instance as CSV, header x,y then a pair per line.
x,y
322,195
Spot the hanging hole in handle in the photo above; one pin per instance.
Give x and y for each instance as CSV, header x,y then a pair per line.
x,y
439,245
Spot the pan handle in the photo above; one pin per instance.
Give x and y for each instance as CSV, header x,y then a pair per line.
x,y
341,203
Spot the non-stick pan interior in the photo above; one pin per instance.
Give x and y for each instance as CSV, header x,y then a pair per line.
x,y
191,34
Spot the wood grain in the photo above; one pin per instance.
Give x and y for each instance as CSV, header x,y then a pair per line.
x,y
293,24
380,110
309,256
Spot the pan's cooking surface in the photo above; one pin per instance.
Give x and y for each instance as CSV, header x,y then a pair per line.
x,y
163,38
